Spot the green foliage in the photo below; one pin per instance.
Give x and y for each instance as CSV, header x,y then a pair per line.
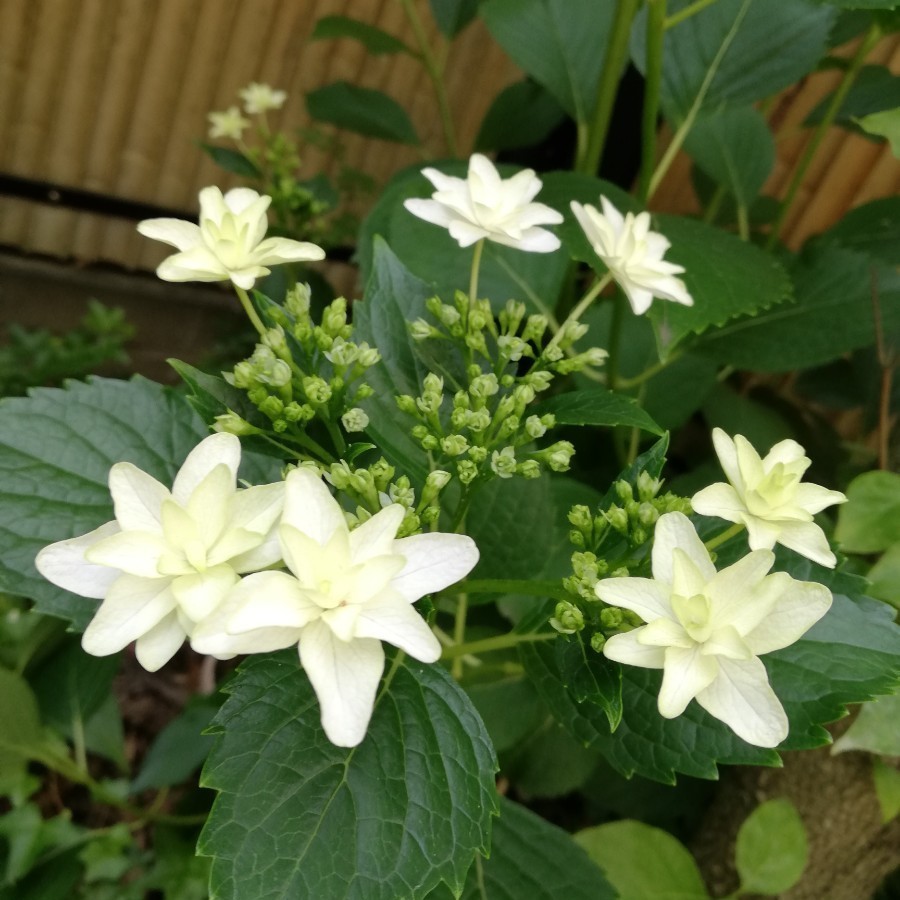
x,y
887,789
232,160
884,124
874,729
771,849
521,115
22,738
869,521
374,39
597,406
872,229
875,90
389,819
362,110
453,15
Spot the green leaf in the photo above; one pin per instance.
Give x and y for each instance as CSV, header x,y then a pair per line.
x,y
887,789
22,736
642,862
391,819
362,110
870,519
735,148
231,160
771,850
508,706
56,449
736,413
778,42
590,677
726,276
561,44
874,729
453,15
884,124
832,315
531,860
864,4
374,39
872,229
884,577
597,406
521,115
876,89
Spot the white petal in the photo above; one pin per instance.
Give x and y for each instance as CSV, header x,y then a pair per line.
x,y
132,607
687,579
212,204
276,250
375,537
814,498
433,561
202,592
209,504
648,598
64,565
196,264
135,552
155,648
749,462
137,496
612,214
467,233
762,534
786,451
532,240
686,672
262,556
240,200
176,232
735,592
807,539
310,508
430,211
345,678
627,648
639,298
725,450
742,698
217,449
665,633
269,600
798,606
399,624
720,500
675,530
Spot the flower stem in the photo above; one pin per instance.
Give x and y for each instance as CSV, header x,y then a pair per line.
x,y
648,373
580,309
615,338
459,633
501,642
552,589
687,12
656,24
616,53
473,277
834,106
726,535
251,312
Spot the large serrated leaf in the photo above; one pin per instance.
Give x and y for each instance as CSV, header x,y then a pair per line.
x,y
532,860
389,820
56,449
872,229
597,406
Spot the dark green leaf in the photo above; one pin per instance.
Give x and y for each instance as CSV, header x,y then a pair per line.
x,y
521,115
735,148
561,44
874,729
597,406
870,520
453,15
876,89
531,860
737,413
873,229
22,737
864,4
771,849
374,39
509,707
56,449
391,819
590,677
362,110
232,161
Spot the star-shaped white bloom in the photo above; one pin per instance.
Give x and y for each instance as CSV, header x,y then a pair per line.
x,y
347,591
170,557
484,205
633,254
767,496
229,124
258,98
706,629
230,242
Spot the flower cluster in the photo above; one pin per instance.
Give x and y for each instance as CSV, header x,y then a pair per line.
x,y
196,563
257,99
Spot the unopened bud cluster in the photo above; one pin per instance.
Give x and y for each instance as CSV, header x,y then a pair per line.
x,y
300,371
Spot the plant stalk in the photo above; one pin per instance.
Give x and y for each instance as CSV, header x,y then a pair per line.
x,y
501,642
656,25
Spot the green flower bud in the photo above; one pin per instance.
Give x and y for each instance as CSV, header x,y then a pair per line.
x,y
342,353
364,391
433,305
382,472
638,535
271,407
484,386
297,300
434,484
244,375
274,339
459,418
355,419
448,316
406,404
479,420
454,444
534,329
433,384
506,407
512,347
512,315
475,341
611,617
339,475
534,427
507,380
647,513
402,492
558,456
503,463
598,640
323,340
538,380
257,395
466,471
367,356
617,518
553,353
335,317
576,539
430,515
477,320
580,517
317,390
430,402
279,375
529,468
477,454
420,330
567,618
279,426
508,427
232,423
647,486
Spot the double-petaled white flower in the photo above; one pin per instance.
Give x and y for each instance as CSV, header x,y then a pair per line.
x,y
706,629
767,496
484,205
259,98
347,591
633,254
230,123
169,558
230,242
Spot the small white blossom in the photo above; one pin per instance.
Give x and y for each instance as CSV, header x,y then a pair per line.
x,y
230,242
170,557
347,591
355,419
259,98
706,629
767,496
484,205
229,124
633,253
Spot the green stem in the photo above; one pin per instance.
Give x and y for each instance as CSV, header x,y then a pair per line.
x,y
580,309
501,642
693,112
726,535
616,55
251,312
473,276
648,373
435,74
743,222
687,12
635,438
834,106
552,589
459,633
656,25
336,437
715,204
615,337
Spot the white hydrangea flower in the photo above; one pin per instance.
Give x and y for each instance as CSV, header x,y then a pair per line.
x,y
229,124
259,98
633,253
706,629
484,205
767,496
230,242
170,557
347,591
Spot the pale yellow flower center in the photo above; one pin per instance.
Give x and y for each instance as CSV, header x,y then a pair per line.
x,y
694,613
